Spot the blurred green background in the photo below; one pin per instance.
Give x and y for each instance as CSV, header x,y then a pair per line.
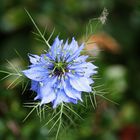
x,y
119,70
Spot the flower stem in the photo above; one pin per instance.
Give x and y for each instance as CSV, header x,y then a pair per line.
x,y
60,122
47,43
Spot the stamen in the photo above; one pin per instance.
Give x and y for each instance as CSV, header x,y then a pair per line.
x,y
59,69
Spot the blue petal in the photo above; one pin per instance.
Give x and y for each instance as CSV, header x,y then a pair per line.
x,y
51,81
71,92
90,70
62,97
91,66
46,90
81,84
45,59
78,96
76,54
34,59
71,48
66,45
38,96
90,81
47,93
48,99
68,89
56,47
78,66
81,58
64,51
36,73
86,68
34,85
50,56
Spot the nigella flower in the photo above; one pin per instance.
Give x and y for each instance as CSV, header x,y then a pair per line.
x,y
60,75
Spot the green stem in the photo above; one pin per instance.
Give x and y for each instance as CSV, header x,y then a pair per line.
x,y
47,43
60,122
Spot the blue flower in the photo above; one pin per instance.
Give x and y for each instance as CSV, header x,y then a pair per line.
x,y
60,75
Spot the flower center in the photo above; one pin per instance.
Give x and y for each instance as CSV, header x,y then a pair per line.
x,y
59,68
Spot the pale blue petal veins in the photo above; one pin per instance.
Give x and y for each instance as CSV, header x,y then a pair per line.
x,y
45,59
76,54
78,66
47,93
70,92
64,51
36,73
56,48
62,97
81,58
90,80
91,69
46,90
89,72
91,66
71,48
85,68
34,59
49,98
81,84
34,85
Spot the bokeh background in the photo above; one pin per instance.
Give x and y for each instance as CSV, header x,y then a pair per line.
x,y
118,61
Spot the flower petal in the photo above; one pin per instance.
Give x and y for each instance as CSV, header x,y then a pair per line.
x,y
62,97
78,66
56,48
47,93
75,54
70,49
34,59
70,92
81,84
34,85
36,73
81,58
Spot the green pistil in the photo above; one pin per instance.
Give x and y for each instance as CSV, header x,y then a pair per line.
x,y
59,68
